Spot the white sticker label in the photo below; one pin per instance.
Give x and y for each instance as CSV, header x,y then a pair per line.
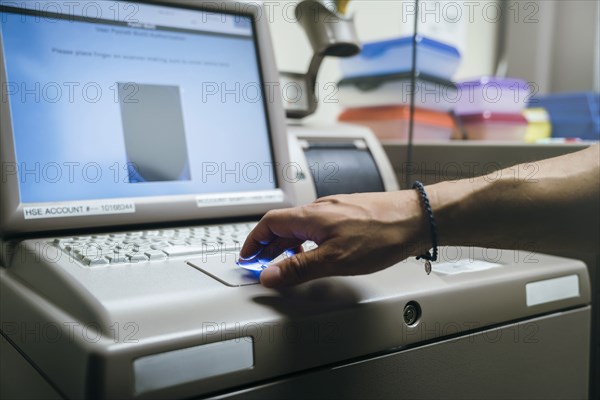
x,y
550,290
227,199
463,266
78,210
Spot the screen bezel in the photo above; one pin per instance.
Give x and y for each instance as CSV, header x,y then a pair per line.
x,y
158,209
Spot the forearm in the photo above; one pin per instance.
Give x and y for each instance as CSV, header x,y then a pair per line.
x,y
548,205
553,206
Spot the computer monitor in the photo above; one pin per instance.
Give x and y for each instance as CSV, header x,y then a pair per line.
x,y
118,113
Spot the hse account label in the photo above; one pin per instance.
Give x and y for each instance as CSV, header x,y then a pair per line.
x,y
78,210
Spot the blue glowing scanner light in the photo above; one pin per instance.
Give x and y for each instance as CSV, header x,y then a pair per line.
x,y
258,264
254,266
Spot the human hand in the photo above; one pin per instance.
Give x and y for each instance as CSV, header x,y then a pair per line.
x,y
356,234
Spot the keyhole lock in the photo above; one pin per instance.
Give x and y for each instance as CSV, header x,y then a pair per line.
x,y
412,313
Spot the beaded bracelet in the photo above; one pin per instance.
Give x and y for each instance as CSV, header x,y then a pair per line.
x,y
429,256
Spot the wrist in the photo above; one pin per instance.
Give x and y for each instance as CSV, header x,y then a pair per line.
x,y
455,206
411,232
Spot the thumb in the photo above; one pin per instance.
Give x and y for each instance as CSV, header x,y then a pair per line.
x,y
296,269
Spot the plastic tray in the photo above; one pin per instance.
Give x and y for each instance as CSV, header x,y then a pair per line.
x,y
395,89
395,56
392,122
490,126
539,126
573,115
490,94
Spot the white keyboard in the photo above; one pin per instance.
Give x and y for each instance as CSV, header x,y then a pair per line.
x,y
155,245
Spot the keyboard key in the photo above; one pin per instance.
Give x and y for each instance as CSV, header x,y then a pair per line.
x,y
117,258
175,251
90,251
154,255
137,257
100,237
95,261
160,246
72,245
108,250
125,248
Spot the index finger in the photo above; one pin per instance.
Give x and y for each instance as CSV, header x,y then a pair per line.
x,y
279,229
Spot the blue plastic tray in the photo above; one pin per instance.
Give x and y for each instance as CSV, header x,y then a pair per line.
x,y
573,115
395,56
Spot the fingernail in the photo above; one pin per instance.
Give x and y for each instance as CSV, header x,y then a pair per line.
x,y
271,276
250,256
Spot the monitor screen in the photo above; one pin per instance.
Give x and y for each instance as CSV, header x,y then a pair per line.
x,y
126,100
